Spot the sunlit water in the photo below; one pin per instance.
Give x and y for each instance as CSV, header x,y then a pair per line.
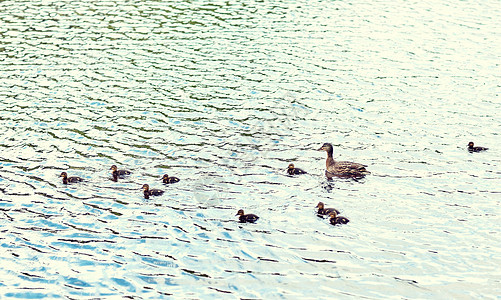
x,y
224,95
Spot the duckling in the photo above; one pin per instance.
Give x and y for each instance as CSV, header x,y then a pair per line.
x,y
475,149
118,173
342,168
71,179
250,218
334,219
166,179
152,192
294,171
325,211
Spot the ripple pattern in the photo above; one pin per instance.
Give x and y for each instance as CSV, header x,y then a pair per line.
x,y
224,95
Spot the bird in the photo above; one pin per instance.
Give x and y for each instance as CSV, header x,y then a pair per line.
x,y
166,179
118,173
295,171
335,219
342,168
71,179
475,149
152,192
249,218
325,211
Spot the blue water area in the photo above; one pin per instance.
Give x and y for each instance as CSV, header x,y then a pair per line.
x,y
224,95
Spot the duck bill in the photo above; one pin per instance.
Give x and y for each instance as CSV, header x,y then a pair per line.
x,y
321,149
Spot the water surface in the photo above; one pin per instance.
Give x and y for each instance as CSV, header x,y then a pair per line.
x,y
225,95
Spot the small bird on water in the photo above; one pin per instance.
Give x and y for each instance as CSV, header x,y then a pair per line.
x,y
152,192
335,219
325,211
166,179
118,173
249,218
471,148
71,179
295,171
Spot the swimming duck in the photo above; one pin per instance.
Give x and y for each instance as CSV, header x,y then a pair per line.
x,y
167,179
342,168
325,211
71,179
294,171
250,218
475,149
118,173
152,192
334,219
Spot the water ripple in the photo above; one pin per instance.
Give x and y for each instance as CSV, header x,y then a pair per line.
x,y
225,95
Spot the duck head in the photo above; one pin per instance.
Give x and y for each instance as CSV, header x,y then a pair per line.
x,y
291,166
114,168
326,147
146,187
320,205
240,213
470,145
64,175
332,215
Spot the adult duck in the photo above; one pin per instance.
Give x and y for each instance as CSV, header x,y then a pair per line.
x,y
342,168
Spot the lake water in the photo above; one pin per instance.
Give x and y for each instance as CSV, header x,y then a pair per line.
x,y
224,95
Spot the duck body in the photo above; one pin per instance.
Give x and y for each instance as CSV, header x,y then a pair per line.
x,y
295,171
322,210
471,148
345,169
168,180
72,179
335,219
151,192
249,218
118,173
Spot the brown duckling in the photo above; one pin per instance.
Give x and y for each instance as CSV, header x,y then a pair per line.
x,y
475,149
152,192
71,179
118,173
325,211
335,219
166,179
294,171
342,168
249,218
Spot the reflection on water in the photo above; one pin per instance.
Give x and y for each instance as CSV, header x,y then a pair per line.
x,y
224,96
